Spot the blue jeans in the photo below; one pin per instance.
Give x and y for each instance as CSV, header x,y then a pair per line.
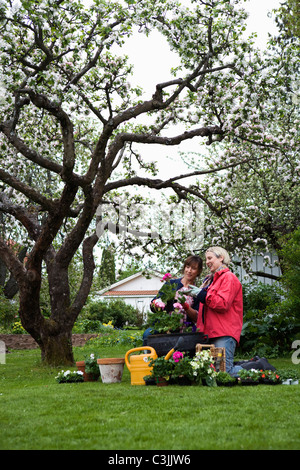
x,y
229,344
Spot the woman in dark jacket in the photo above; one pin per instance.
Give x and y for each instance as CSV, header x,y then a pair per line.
x,y
192,268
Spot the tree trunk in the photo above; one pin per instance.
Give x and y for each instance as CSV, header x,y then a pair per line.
x,y
54,340
54,334
57,349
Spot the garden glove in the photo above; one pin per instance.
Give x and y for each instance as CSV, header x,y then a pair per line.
x,y
194,291
198,292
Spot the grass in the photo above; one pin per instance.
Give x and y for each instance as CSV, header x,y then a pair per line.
x,y
38,413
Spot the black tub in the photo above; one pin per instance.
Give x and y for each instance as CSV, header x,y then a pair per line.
x,y
163,343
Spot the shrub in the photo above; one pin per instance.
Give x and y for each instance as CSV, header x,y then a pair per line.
x,y
17,328
8,311
258,296
270,322
116,311
87,326
113,337
291,263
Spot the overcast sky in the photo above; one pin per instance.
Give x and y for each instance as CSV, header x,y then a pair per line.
x,y
153,60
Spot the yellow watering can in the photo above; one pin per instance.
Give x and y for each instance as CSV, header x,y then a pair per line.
x,y
138,364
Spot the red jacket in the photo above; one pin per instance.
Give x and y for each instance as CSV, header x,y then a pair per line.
x,y
223,309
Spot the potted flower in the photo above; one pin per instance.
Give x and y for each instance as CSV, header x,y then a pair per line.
x,y
270,377
168,314
204,371
89,367
69,376
249,377
161,370
149,380
224,379
289,376
182,373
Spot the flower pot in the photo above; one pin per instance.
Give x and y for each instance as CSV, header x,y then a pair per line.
x,y
183,381
226,384
249,382
269,382
150,381
161,382
163,343
86,377
111,369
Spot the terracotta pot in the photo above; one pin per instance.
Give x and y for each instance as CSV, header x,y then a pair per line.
x,y
111,369
161,382
86,377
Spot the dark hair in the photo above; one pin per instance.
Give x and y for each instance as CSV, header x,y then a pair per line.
x,y
191,260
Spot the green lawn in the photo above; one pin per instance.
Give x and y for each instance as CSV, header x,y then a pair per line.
x,y
38,413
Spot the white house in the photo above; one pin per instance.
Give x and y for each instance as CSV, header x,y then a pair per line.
x,y
137,290
258,265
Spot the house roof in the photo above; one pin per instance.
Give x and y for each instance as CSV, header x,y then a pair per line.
x,y
134,293
128,287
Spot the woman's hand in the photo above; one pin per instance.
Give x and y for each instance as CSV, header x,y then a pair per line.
x,y
193,314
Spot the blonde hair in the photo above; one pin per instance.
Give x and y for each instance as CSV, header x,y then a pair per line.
x,y
218,251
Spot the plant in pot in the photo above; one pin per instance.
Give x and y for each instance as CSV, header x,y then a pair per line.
x,y
89,367
161,370
69,376
289,376
270,377
249,377
204,371
182,373
168,314
224,379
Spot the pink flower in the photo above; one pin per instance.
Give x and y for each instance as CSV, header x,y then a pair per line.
x,y
158,303
177,355
166,277
178,305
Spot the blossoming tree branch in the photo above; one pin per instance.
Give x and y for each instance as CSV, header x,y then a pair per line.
x,y
70,120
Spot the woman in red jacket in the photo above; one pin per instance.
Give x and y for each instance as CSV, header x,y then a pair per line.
x,y
221,309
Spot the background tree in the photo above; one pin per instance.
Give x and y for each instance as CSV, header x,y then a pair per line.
x,y
255,204
107,269
291,259
70,123
288,19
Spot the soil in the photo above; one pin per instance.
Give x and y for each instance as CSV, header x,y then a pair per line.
x,y
27,342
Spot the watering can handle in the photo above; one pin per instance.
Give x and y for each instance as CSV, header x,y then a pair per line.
x,y
141,348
